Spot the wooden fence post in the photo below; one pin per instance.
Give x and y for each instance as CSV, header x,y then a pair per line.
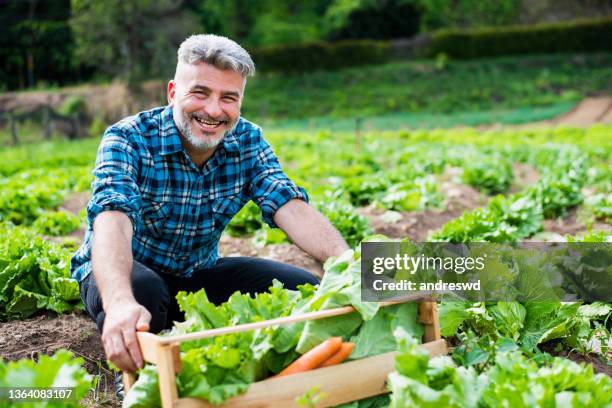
x,y
13,128
46,123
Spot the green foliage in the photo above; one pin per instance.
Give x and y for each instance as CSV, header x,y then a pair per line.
x,y
420,194
34,275
559,188
467,13
48,155
62,369
27,194
246,221
578,36
371,19
218,368
269,236
352,226
512,380
40,35
597,207
263,22
97,127
486,329
521,215
413,86
592,236
133,40
73,106
492,175
56,223
319,55
503,220
403,190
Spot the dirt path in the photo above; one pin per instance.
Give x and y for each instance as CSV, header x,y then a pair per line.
x,y
589,111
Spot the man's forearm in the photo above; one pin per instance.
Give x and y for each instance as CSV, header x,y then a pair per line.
x,y
112,257
310,230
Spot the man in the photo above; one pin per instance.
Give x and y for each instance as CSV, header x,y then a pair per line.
x,y
167,182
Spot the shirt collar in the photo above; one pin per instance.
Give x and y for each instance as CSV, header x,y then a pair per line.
x,y
170,140
230,143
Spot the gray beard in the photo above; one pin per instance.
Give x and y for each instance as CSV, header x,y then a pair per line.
x,y
183,123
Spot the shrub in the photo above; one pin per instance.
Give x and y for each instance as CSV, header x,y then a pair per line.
x,y
577,36
321,55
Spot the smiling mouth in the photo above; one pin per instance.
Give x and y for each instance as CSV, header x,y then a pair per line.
x,y
209,125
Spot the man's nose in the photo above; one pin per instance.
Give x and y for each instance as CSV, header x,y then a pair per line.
x,y
213,108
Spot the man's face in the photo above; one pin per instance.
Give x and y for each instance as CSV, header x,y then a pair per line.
x,y
206,104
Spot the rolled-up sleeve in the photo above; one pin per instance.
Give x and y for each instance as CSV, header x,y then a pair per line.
x,y
270,186
114,186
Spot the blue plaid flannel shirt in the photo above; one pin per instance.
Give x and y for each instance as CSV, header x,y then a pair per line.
x,y
179,211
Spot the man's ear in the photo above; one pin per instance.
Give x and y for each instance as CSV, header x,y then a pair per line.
x,y
171,91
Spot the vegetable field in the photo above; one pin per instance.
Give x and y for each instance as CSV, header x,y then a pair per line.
x,y
455,185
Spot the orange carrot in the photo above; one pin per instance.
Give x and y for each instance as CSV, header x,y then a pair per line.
x,y
342,354
314,357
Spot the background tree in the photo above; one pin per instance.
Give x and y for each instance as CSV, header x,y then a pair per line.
x,y
35,43
467,13
372,19
263,22
131,40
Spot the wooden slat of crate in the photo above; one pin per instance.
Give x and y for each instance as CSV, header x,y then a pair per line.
x,y
343,383
164,352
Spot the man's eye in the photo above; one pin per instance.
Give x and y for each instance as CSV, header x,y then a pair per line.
x,y
229,99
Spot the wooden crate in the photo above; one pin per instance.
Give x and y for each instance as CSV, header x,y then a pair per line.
x,y
350,381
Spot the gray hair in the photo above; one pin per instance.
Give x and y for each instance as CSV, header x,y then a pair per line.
x,y
218,51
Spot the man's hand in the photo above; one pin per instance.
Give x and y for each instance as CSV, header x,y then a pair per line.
x,y
119,334
112,268
310,230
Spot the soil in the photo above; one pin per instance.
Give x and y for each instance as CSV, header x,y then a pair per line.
x,y
75,202
524,176
417,225
599,366
47,332
287,253
569,224
293,255
590,110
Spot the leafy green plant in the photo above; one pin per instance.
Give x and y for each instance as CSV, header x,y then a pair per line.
x,y
511,380
62,369
34,275
597,207
234,361
486,329
268,236
503,220
56,223
490,175
246,221
27,194
351,225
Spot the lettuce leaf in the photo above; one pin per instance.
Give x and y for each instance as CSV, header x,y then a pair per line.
x,y
513,380
62,369
215,369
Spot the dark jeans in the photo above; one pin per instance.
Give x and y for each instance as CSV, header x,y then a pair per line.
x,y
157,292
